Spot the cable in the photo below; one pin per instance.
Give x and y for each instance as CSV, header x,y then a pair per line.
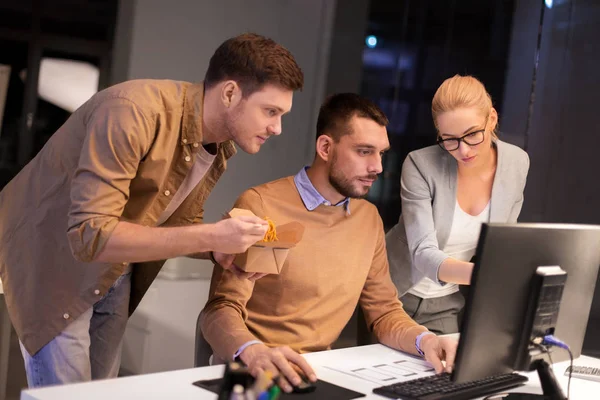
x,y
544,350
554,341
550,357
570,372
551,340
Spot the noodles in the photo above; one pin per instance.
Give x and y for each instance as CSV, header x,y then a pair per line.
x,y
271,235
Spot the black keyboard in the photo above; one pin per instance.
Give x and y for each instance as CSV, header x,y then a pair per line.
x,y
440,387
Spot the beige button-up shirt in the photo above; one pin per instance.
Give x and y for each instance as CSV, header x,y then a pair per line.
x,y
120,157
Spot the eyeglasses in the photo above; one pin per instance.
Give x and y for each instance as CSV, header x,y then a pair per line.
x,y
472,139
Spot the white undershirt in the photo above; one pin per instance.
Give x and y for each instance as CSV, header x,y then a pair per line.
x,y
201,166
461,245
202,163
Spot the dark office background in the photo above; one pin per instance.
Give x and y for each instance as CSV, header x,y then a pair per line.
x,y
30,30
411,47
539,59
544,87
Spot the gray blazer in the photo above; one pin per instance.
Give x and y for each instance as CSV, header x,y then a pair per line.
x,y
428,193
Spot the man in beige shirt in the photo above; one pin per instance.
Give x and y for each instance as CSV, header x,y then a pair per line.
x,y
120,187
340,262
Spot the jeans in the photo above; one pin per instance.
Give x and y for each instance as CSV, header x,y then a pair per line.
x,y
89,347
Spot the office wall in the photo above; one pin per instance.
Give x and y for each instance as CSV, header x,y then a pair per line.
x,y
159,39
347,45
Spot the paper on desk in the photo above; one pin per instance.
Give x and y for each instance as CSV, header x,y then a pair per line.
x,y
384,370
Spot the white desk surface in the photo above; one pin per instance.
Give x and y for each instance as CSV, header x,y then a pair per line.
x,y
178,384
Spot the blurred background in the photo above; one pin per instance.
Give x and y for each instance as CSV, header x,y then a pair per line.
x,y
539,59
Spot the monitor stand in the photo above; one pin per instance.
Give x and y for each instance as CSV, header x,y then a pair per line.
x,y
550,386
547,287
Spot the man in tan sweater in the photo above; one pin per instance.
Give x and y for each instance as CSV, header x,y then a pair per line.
x,y
341,260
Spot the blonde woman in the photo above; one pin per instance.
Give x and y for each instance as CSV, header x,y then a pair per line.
x,y
447,192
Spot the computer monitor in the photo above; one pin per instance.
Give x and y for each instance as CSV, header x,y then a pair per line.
x,y
507,257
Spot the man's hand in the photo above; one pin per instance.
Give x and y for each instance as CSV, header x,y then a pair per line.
x,y
437,349
281,361
226,262
235,235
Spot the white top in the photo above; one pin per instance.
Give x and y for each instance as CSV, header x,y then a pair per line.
x,y
327,365
201,165
461,245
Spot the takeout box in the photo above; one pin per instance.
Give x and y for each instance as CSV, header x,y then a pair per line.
x,y
268,257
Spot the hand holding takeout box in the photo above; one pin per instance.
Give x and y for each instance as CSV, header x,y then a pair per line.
x,y
268,257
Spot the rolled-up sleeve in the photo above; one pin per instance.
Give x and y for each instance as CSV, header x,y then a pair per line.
x,y
417,212
118,135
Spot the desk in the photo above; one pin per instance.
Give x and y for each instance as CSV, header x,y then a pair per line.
x,y
178,384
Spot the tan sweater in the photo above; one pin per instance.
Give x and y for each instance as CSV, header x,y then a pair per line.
x,y
340,262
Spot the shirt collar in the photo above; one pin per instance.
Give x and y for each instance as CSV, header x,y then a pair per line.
x,y
310,196
191,131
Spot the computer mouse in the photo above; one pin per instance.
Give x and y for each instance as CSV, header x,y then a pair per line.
x,y
305,386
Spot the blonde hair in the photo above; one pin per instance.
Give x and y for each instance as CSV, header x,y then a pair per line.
x,y
462,92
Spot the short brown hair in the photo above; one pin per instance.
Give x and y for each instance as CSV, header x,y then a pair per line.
x,y
253,61
338,109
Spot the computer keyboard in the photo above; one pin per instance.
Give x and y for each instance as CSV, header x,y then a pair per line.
x,y
440,387
582,372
